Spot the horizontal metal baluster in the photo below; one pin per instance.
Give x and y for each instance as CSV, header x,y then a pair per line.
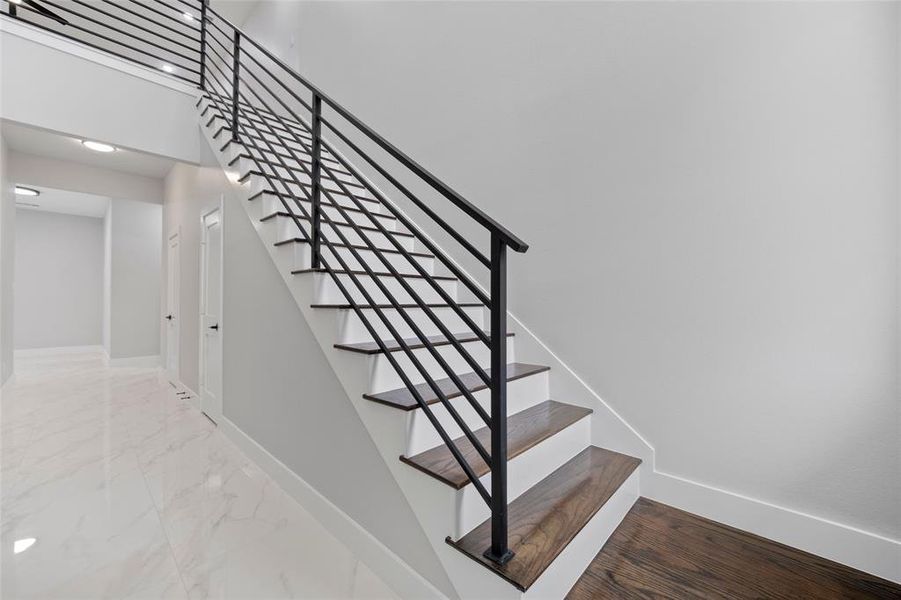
x,y
442,327
399,339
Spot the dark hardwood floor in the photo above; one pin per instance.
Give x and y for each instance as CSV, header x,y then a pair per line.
x,y
661,552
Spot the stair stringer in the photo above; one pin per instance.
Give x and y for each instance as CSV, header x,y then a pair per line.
x,y
435,505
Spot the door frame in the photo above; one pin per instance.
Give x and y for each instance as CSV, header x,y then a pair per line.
x,y
174,373
220,208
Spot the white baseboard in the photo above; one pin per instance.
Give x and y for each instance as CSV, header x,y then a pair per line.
x,y
56,350
397,574
140,362
863,550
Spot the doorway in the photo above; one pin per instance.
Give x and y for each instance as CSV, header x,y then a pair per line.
x,y
211,315
172,314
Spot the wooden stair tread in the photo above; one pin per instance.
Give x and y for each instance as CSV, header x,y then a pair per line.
x,y
377,274
525,430
325,246
546,518
403,399
412,343
286,214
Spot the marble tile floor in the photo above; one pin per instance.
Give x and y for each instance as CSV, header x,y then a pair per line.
x,y
113,487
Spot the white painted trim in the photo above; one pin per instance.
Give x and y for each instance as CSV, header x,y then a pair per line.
x,y
869,552
141,362
25,353
220,209
64,44
405,581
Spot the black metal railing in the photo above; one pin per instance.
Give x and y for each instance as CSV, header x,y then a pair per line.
x,y
160,34
297,137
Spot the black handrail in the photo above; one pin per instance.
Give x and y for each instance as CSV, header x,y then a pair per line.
x,y
459,201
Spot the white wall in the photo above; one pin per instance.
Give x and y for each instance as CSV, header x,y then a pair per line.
x,y
59,280
7,263
277,386
135,270
100,97
711,194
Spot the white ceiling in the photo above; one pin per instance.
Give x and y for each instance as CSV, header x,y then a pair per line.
x,y
61,201
41,142
235,11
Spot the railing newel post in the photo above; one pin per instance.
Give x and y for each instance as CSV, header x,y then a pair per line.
x,y
316,176
236,65
499,551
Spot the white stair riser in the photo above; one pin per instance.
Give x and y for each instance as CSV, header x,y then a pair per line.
x,y
287,230
327,291
272,204
247,164
302,260
289,156
383,376
522,393
350,328
564,572
523,472
258,183
261,121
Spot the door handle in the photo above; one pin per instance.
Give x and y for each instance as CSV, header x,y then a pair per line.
x,y
168,317
216,326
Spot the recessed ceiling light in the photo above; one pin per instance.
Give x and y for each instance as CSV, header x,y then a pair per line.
x,y
23,545
98,146
168,68
187,16
24,191
16,1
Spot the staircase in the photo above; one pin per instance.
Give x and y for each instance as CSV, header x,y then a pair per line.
x,y
501,474
494,467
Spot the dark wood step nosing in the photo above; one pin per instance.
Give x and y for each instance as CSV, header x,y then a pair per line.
x,y
528,371
288,215
412,343
297,240
630,464
570,415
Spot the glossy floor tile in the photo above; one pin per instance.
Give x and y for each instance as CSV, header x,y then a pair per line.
x,y
113,487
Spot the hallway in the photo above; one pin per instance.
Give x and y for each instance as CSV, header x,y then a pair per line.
x,y
111,486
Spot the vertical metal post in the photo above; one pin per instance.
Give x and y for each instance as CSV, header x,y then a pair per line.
x,y
12,9
499,551
203,4
236,65
317,179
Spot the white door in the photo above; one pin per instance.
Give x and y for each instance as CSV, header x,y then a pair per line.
x,y
171,316
211,316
